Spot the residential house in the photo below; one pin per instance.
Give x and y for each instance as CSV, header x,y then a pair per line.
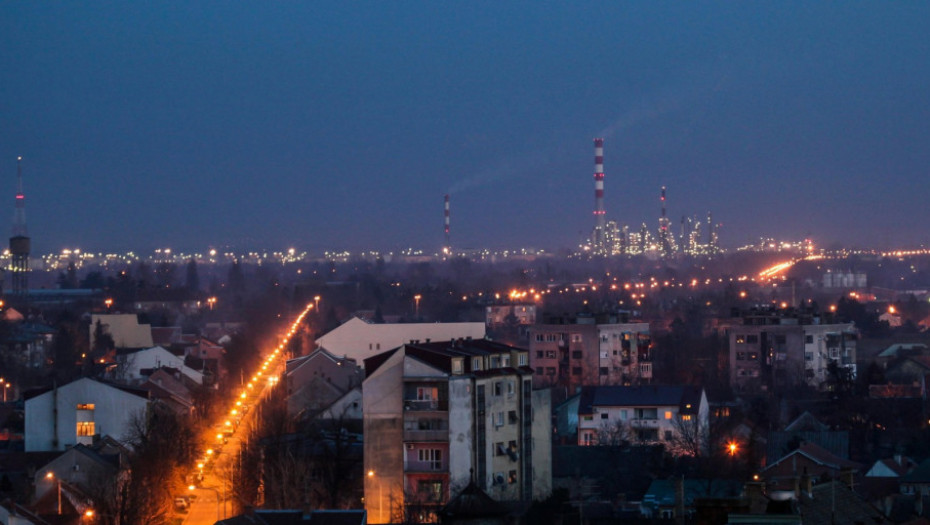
x,y
134,367
675,416
314,382
439,414
75,413
810,460
125,330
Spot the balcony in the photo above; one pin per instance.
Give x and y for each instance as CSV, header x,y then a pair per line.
x,y
425,429
644,423
426,404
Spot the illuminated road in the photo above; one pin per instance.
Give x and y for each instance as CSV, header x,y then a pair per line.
x,y
212,501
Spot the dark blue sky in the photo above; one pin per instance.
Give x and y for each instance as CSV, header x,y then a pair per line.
x,y
341,125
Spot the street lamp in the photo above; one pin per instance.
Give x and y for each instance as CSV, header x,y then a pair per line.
x,y
211,301
371,475
316,303
416,299
217,492
51,476
109,303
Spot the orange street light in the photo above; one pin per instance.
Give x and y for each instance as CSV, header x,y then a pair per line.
x,y
732,448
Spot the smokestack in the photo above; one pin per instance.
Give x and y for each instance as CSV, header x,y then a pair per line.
x,y
663,224
600,227
448,246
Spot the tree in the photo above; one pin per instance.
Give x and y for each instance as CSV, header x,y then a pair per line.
x,y
193,279
161,444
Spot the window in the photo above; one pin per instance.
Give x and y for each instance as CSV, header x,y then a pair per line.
x,y
510,387
603,371
521,360
427,393
740,356
539,354
377,346
85,406
85,428
430,489
576,354
752,339
668,435
753,356
686,417
512,416
623,414
512,477
456,366
539,370
576,370
740,339
497,388
604,415
587,438
780,339
550,354
808,339
540,338
576,338
499,449
668,414
476,363
499,422
432,457
587,418
550,370
505,360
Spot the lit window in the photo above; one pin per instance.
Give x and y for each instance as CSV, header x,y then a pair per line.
x,y
686,417
668,414
85,428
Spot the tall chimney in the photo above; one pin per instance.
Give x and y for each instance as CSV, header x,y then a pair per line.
x,y
448,247
600,228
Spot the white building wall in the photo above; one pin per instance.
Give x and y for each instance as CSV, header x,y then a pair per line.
x,y
113,412
382,399
461,432
359,340
542,444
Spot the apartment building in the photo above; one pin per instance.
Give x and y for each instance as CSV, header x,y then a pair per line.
x,y
590,350
774,349
438,415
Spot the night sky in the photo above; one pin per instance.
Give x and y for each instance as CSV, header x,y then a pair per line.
x,y
340,125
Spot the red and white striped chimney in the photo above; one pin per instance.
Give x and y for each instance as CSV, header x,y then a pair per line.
x,y
446,221
599,219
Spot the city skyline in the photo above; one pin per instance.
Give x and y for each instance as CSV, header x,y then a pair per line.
x,y
326,126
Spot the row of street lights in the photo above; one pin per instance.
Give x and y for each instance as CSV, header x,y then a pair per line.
x,y
238,407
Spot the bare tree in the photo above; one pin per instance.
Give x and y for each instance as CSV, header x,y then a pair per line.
x,y
614,433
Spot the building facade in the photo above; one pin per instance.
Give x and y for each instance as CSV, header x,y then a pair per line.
x,y
439,415
676,416
74,413
590,350
776,349
359,339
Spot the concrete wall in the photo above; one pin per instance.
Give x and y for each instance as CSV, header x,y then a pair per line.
x,y
461,432
542,444
382,399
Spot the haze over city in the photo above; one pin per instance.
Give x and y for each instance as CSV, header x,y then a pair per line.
x,y
341,126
